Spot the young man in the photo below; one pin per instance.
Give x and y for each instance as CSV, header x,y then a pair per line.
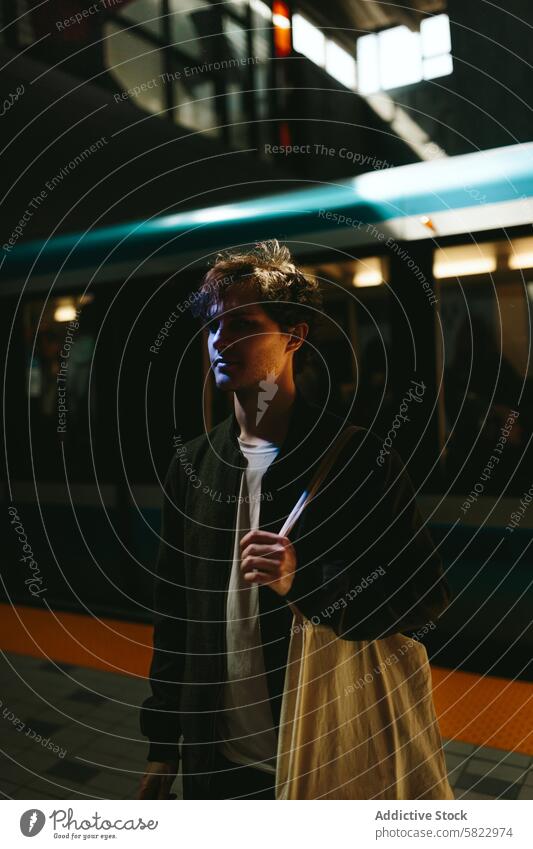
x,y
225,576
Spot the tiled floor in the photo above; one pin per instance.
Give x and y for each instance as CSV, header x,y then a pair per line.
x,y
68,732
91,718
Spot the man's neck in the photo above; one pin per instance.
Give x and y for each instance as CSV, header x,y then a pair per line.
x,y
273,413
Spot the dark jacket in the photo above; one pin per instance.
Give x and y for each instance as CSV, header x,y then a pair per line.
x,y
364,517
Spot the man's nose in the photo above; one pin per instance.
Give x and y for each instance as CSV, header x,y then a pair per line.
x,y
221,339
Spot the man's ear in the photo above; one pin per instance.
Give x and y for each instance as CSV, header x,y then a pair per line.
x,y
297,336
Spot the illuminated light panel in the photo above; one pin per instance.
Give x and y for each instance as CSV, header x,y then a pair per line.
x,y
521,254
368,64
340,65
437,66
368,272
400,61
464,268
65,312
521,260
435,35
367,278
309,40
464,260
398,57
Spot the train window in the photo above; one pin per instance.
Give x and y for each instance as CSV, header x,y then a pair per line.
x,y
264,128
485,309
261,32
238,125
145,12
238,7
134,61
196,106
485,315
237,47
194,25
261,49
237,39
354,340
60,338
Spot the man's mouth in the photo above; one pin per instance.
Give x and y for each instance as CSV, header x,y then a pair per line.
x,y
220,361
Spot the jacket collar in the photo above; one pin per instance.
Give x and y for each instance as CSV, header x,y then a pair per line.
x,y
303,424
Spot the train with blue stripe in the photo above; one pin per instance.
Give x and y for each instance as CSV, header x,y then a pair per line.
x,y
427,276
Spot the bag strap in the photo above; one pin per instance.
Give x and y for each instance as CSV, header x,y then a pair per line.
x,y
316,481
318,478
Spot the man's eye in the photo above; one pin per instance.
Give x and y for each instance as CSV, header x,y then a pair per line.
x,y
243,322
234,323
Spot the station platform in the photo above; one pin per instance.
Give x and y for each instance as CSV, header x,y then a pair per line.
x,y
69,714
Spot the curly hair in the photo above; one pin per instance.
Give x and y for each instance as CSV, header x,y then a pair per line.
x,y
287,295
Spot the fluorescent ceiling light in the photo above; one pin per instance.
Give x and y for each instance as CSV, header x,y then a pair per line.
x,y
340,65
309,40
400,60
398,57
435,35
368,64
437,66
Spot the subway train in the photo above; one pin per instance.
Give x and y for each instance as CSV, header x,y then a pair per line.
x,y
427,277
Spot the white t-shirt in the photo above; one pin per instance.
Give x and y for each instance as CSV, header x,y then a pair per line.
x,y
246,725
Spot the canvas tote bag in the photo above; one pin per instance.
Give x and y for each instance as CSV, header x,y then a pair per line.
x,y
357,717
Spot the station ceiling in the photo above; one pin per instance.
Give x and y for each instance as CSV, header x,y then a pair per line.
x,y
357,17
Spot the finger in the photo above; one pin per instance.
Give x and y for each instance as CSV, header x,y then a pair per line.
x,y
264,537
262,551
259,563
258,577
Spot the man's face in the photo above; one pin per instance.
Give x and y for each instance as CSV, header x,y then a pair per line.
x,y
245,344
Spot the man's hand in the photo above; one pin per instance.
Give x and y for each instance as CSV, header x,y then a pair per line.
x,y
157,780
269,559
